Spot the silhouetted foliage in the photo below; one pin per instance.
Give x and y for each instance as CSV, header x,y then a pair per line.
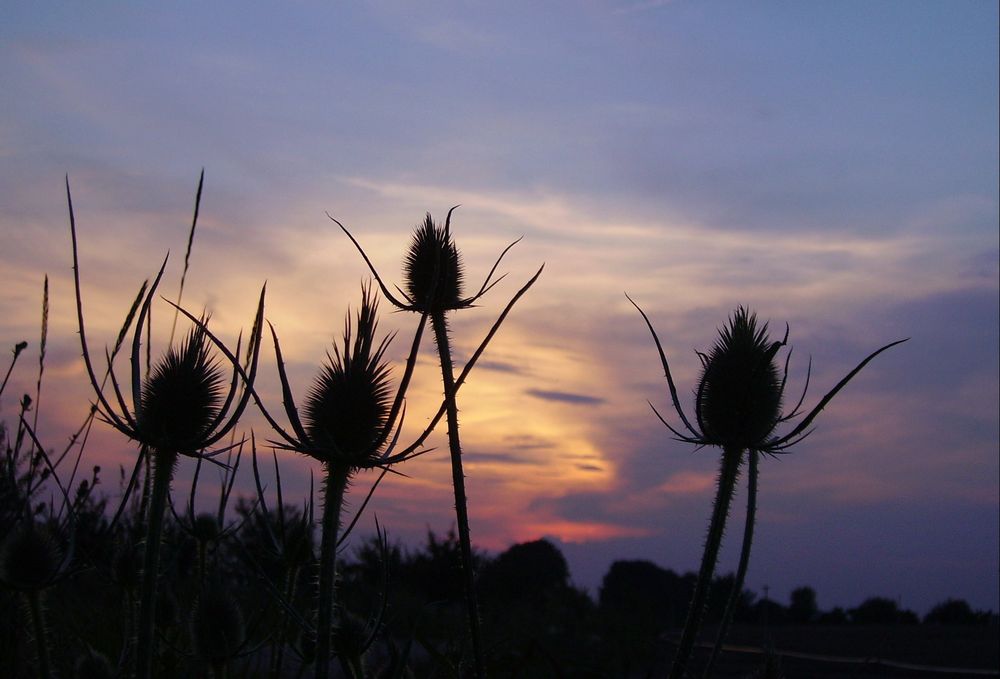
x,y
721,592
803,608
956,612
528,571
881,611
835,616
769,612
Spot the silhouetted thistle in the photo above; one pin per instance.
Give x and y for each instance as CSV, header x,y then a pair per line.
x,y
181,397
351,640
737,408
346,414
433,268
349,416
93,665
30,557
31,560
434,280
348,406
179,409
740,390
218,630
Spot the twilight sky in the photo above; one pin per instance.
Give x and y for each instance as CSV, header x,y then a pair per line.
x,y
832,165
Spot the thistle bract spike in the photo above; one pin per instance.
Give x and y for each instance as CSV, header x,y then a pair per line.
x,y
348,406
433,268
739,395
181,397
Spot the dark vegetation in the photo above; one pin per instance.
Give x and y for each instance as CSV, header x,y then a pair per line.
x,y
537,622
140,584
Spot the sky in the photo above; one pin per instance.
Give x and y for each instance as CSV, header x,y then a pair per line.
x,y
833,166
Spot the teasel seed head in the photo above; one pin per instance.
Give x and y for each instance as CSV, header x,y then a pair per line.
x,y
93,665
168,611
30,558
217,626
739,395
350,637
307,647
348,406
205,528
126,565
433,268
181,397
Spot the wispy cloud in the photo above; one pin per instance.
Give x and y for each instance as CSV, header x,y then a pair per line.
x,y
564,397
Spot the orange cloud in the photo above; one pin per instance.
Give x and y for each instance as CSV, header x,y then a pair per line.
x,y
577,531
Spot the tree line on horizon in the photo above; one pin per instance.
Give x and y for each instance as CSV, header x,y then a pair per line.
x,y
638,588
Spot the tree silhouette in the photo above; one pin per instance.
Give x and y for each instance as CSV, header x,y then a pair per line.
x,y
803,607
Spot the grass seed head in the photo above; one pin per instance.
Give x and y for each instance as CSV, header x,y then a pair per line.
x,y
433,268
181,397
739,395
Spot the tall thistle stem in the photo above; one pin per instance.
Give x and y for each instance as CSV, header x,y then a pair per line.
x,y
731,458
741,569
35,610
440,324
333,500
163,470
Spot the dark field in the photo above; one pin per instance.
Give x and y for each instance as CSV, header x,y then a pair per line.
x,y
901,646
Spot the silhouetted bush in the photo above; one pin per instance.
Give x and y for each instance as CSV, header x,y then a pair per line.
x,y
529,571
881,611
956,612
803,608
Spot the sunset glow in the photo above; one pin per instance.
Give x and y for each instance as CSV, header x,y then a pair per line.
x,y
833,167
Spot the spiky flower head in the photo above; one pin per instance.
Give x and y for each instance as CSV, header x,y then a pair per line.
x,y
181,397
348,406
739,395
433,268
350,637
205,528
93,665
217,626
30,557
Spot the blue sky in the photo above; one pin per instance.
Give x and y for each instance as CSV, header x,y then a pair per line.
x,y
832,165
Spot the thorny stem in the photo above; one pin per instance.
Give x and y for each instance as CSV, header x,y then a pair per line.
x,y
34,598
458,480
741,569
219,670
163,469
730,470
278,646
333,500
